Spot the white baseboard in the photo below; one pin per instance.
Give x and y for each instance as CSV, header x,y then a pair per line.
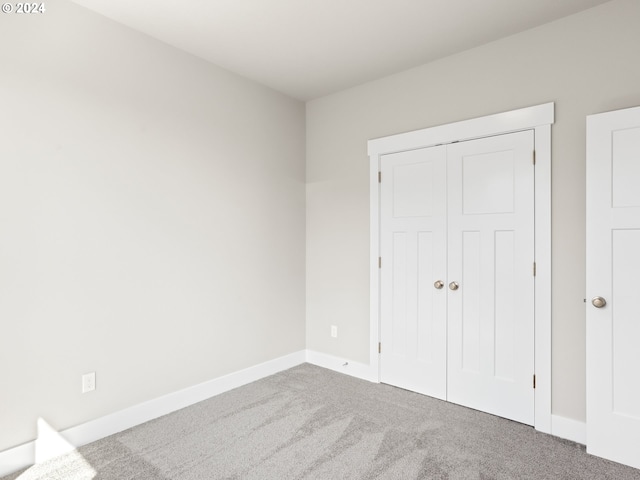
x,y
16,458
24,455
355,369
569,429
561,427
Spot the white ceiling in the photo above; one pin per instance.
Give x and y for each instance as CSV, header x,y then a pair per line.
x,y
310,48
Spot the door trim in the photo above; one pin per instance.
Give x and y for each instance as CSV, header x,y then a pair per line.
x,y
538,118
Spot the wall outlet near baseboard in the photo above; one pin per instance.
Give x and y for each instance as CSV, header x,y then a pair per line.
x,y
334,331
88,382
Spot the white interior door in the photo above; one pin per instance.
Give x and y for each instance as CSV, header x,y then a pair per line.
x,y
613,275
457,284
413,245
491,267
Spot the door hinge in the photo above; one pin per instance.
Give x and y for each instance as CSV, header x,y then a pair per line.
x,y
534,157
379,262
534,269
534,380
379,347
379,177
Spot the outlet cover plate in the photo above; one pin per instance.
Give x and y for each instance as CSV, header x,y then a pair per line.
x,y
88,382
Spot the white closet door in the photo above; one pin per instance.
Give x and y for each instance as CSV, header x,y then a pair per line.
x,y
413,248
613,275
491,259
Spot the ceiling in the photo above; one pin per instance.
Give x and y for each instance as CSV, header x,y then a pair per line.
x,y
311,48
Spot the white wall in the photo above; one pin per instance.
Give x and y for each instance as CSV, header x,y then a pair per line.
x,y
151,220
586,63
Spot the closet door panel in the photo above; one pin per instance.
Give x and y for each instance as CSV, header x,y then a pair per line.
x,y
490,259
413,242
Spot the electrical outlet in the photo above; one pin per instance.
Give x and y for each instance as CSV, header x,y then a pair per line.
x,y
88,382
334,331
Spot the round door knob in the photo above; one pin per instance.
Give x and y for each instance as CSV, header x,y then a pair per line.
x,y
598,302
438,284
454,286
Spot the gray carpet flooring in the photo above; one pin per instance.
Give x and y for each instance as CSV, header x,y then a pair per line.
x,y
312,423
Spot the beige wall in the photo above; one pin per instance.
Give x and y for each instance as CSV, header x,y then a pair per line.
x,y
152,205
151,220
586,63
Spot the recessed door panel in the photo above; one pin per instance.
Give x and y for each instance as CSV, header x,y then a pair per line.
x,y
471,328
413,190
400,292
426,315
488,182
625,167
505,307
625,325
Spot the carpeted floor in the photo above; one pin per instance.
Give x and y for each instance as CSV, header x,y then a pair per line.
x,y
312,423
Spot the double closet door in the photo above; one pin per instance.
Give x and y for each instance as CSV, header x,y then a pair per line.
x,y
457,273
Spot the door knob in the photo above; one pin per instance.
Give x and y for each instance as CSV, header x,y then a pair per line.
x,y
598,302
438,284
454,286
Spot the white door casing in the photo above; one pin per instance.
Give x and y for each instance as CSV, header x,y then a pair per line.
x,y
613,263
539,119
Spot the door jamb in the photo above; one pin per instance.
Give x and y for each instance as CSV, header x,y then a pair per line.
x,y
538,118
